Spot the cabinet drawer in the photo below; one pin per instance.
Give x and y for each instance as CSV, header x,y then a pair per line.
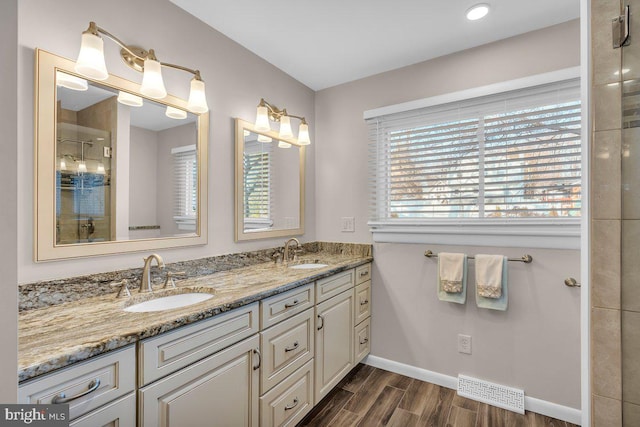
x,y
112,375
362,341
331,286
286,347
166,353
280,307
288,402
121,413
363,302
363,273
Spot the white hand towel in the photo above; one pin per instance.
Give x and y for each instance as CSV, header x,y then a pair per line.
x,y
451,268
489,275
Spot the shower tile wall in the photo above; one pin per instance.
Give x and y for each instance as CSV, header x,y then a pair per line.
x,y
615,220
606,219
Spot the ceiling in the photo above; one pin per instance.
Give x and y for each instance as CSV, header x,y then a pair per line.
x,y
324,43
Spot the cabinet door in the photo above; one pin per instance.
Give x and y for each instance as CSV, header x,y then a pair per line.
x,y
221,390
334,342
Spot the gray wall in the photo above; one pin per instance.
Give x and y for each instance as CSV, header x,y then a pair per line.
x,y
9,213
236,80
143,169
535,345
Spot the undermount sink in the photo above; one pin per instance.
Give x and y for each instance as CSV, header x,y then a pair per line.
x,y
307,266
169,302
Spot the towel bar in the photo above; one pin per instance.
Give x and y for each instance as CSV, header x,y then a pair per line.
x,y
527,259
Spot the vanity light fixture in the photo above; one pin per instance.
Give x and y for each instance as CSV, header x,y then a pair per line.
x,y
82,166
283,144
175,113
100,169
264,138
91,63
129,99
477,11
266,112
63,164
71,82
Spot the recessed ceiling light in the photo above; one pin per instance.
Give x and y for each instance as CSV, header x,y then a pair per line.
x,y
477,12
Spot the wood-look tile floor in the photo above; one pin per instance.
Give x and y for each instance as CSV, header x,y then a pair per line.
x,y
370,397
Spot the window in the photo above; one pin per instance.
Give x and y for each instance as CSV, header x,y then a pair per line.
x,y
185,170
510,157
257,186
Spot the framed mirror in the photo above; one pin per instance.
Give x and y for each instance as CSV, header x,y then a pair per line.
x,y
269,192
114,171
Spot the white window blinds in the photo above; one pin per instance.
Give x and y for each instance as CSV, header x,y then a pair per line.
x,y
513,155
185,191
258,198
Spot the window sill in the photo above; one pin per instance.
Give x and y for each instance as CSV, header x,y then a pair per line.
x,y
552,234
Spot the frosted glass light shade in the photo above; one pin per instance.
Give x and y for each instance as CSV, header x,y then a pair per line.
x,y
82,167
152,83
90,60
264,138
478,11
303,134
71,82
100,169
285,127
127,98
63,165
283,144
197,97
262,119
175,113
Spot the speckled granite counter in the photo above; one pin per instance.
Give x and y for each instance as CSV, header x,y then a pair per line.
x,y
59,335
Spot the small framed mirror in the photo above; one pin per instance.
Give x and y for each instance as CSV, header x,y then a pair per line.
x,y
114,171
270,184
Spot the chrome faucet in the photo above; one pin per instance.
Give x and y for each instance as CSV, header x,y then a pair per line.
x,y
285,256
145,283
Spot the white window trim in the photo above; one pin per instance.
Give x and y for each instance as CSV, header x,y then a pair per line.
x,y
185,222
550,233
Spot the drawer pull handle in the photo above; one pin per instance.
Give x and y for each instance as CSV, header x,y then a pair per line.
x,y
322,324
293,405
293,304
364,340
364,302
257,351
364,273
293,347
62,398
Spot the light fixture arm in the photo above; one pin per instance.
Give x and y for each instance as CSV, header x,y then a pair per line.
x,y
275,113
141,55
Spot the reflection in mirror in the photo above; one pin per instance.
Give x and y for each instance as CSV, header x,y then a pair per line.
x,y
126,167
115,172
270,184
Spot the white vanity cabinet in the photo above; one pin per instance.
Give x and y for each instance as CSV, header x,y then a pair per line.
x,y
206,373
287,341
362,312
334,332
220,390
99,391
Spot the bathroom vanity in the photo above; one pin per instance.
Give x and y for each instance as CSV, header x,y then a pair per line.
x,y
270,344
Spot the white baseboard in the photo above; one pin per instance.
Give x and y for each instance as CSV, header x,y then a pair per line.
x,y
532,404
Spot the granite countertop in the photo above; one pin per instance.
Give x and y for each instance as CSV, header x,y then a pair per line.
x,y
56,336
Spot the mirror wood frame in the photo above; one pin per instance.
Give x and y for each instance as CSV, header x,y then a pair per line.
x,y
44,231
240,234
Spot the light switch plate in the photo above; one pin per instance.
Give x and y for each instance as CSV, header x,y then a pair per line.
x,y
348,224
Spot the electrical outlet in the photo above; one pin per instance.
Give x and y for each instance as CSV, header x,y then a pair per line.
x,y
464,344
348,224
106,151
